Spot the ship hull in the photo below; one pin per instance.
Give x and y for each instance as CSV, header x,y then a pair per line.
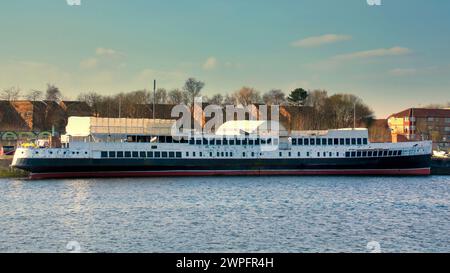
x,y
75,168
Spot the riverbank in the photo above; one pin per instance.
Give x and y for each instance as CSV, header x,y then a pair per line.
x,y
8,172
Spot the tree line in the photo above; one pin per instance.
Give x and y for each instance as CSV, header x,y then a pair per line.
x,y
324,111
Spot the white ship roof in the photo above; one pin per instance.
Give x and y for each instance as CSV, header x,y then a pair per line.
x,y
86,126
252,127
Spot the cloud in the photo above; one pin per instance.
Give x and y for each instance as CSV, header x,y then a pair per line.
x,y
320,40
381,52
403,72
210,63
89,63
108,52
104,58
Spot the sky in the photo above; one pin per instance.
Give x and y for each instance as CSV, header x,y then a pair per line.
x,y
393,56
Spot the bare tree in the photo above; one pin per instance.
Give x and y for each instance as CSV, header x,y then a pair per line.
x,y
229,100
161,96
10,94
247,96
217,99
35,95
93,100
177,96
193,87
53,93
274,96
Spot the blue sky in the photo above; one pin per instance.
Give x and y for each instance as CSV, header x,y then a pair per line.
x,y
393,56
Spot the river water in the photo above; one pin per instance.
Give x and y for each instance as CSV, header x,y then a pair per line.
x,y
226,214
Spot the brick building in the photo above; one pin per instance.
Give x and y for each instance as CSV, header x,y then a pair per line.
x,y
421,124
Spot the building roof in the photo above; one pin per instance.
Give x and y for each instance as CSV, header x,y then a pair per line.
x,y
422,113
76,108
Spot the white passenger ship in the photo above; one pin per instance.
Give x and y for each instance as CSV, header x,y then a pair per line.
x,y
244,151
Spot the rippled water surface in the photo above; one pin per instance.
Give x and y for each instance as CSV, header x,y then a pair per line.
x,y
227,214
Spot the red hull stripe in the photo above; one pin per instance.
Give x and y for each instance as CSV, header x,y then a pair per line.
x,y
119,174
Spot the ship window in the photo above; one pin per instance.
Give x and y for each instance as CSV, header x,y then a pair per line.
x,y
244,141
263,141
135,154
369,153
347,141
142,154
281,154
359,141
218,154
298,154
324,141
364,153
358,154
164,154
178,154
365,141
205,141
330,141
341,141
306,141
385,153
399,153
324,154
218,142
225,141
193,154
187,153
253,154
210,154
331,154
104,154
171,154
257,141
157,154
149,154
191,141
243,154
154,147
231,141
231,154
347,154
238,142
211,142
128,154
353,141
250,142
336,141
300,141
201,154
198,142
307,154
226,154
269,141
337,154
390,153
119,154
290,154
294,141
312,141
112,154
353,154
395,153
318,154
318,142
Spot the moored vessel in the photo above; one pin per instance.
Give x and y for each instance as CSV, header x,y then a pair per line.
x,y
243,150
